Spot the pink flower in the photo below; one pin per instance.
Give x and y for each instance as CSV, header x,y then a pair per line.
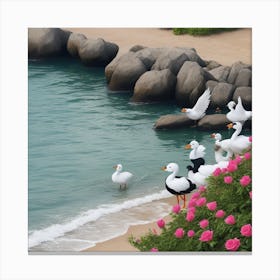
x,y
179,233
202,189
204,223
250,138
245,180
212,205
228,179
192,209
238,159
201,201
224,170
190,216
192,203
232,244
154,250
161,223
230,220
195,196
250,194
247,155
191,233
246,230
206,236
176,209
217,171
220,214
232,167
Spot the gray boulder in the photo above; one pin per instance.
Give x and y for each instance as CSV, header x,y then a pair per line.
x,y
220,73
173,59
97,52
244,78
191,81
211,84
173,121
154,86
193,56
148,56
213,122
221,95
47,42
235,69
136,48
211,64
123,73
110,68
246,95
74,43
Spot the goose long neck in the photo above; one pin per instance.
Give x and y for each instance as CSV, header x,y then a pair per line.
x,y
172,175
236,133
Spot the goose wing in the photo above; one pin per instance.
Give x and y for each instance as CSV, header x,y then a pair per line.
x,y
203,102
239,109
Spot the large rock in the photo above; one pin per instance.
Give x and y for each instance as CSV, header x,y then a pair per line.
x,y
211,84
191,81
221,95
213,122
173,59
137,48
193,56
235,69
74,43
154,86
173,121
97,52
220,73
47,42
246,95
244,78
123,73
212,64
148,56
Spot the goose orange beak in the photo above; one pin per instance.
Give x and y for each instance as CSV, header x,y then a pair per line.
x,y
163,168
115,166
230,125
213,135
184,110
188,146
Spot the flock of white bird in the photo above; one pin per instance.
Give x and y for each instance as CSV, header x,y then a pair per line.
x,y
199,171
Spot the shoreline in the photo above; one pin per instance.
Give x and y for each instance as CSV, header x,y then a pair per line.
x,y
233,46
120,244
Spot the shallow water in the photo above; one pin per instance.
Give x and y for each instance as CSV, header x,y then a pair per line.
x,y
78,130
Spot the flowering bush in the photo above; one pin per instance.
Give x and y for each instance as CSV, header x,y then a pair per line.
x,y
218,218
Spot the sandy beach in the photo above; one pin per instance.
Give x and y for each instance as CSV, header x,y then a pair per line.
x,y
121,244
225,48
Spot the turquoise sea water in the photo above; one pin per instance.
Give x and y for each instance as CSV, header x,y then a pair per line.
x,y
78,130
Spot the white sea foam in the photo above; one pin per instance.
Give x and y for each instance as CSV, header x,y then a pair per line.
x,y
57,230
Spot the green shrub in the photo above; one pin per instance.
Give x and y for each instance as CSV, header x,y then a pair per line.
x,y
200,31
233,198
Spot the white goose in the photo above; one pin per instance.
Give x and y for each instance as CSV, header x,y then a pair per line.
x,y
238,143
238,114
220,147
196,155
119,177
177,185
199,109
